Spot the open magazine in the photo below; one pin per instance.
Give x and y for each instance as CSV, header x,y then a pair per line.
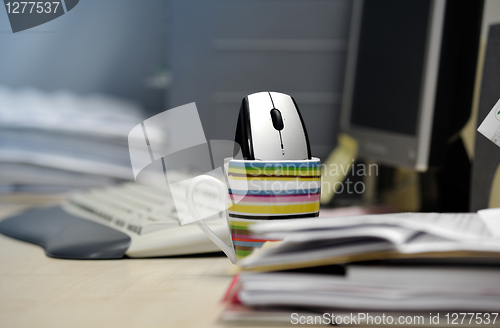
x,y
313,242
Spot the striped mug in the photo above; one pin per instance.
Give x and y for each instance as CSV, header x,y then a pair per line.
x,y
259,191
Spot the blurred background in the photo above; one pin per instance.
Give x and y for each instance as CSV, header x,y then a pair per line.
x,y
71,89
163,54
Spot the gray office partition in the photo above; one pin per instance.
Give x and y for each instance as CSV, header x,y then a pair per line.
x,y
221,51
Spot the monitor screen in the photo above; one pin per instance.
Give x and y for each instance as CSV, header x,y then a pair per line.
x,y
390,64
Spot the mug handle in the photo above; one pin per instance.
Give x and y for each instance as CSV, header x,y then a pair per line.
x,y
221,187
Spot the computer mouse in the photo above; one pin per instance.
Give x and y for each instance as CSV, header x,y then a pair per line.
x,y
270,127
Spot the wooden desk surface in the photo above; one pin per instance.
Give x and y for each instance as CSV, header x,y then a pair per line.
x,y
38,291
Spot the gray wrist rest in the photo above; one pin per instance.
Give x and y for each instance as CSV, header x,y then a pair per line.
x,y
66,236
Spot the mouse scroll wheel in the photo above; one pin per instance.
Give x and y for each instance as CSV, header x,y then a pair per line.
x,y
277,119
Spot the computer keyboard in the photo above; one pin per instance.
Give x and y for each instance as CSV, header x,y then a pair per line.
x,y
131,207
149,216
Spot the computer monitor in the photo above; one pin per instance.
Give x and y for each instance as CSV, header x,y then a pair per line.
x,y
410,78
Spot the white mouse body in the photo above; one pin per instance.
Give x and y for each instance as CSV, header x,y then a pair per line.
x,y
270,127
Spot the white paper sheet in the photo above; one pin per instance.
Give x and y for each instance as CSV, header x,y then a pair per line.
x,y
490,128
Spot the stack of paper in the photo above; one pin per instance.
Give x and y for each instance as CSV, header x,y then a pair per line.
x,y
378,288
52,142
392,263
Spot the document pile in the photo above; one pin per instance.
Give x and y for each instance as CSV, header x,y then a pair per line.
x,y
378,263
53,142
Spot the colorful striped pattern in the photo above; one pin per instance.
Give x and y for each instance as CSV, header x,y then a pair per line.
x,y
243,241
266,169
275,189
267,191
